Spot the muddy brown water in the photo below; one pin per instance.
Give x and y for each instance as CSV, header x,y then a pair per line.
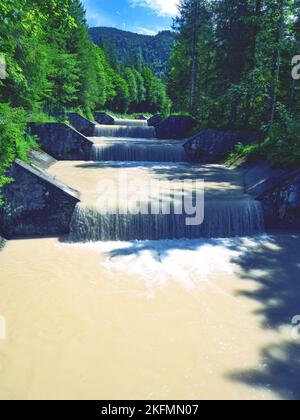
x,y
181,319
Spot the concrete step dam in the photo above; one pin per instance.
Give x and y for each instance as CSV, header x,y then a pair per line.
x,y
163,289
137,187
146,200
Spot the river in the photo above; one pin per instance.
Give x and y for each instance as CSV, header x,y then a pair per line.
x,y
165,319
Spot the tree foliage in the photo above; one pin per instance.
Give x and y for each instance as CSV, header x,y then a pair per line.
x,y
242,55
52,64
137,50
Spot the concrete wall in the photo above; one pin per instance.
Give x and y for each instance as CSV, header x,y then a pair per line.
x,y
2,243
62,141
155,120
212,145
81,124
175,127
38,205
103,118
279,192
41,159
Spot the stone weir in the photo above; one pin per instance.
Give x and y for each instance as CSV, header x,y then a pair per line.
x,y
279,192
109,126
133,141
140,201
62,141
222,219
37,204
137,150
81,124
130,131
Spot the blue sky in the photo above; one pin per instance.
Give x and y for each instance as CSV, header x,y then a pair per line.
x,y
142,16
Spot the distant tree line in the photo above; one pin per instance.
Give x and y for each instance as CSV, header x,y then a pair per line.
x,y
137,49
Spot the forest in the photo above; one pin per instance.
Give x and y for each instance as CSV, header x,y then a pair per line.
x,y
231,67
52,65
136,49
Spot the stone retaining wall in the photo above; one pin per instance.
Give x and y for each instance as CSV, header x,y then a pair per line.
x,y
279,192
81,124
37,204
175,127
212,145
103,118
62,141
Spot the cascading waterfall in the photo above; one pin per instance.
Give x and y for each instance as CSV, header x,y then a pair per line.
x,y
140,132
131,123
227,213
223,219
138,151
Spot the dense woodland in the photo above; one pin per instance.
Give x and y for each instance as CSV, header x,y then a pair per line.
x,y
230,67
137,50
52,65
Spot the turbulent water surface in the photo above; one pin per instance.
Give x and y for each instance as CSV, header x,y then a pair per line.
x,y
227,211
167,319
128,317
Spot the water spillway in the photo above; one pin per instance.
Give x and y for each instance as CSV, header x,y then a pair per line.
x,y
131,131
108,149
152,201
221,220
137,187
131,123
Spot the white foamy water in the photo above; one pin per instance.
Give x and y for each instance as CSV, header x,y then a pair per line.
x,y
126,149
228,212
143,320
189,263
131,123
124,131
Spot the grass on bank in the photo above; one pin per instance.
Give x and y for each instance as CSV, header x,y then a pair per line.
x,y
281,148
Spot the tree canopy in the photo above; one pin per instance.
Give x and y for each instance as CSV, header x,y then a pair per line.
x,y
52,65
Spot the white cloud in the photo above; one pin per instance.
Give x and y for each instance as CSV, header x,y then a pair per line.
x,y
145,31
161,7
97,19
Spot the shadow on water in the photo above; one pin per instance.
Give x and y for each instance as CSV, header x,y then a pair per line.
x,y
274,265
161,249
223,178
276,271
280,371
